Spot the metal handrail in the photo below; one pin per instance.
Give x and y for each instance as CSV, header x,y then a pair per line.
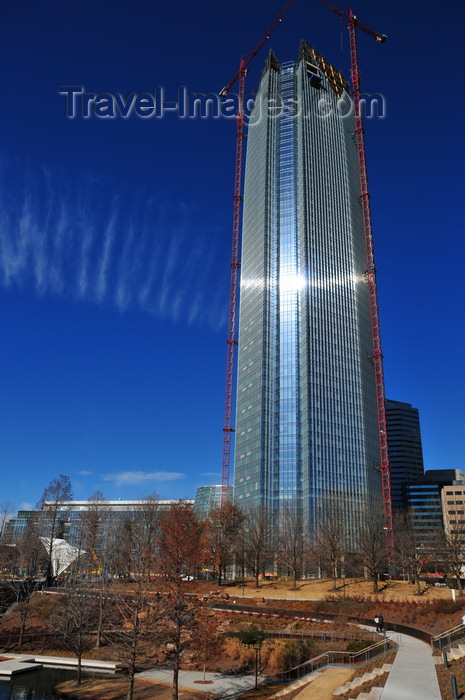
x,y
352,658
445,639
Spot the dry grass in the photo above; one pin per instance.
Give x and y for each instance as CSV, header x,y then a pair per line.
x,y
319,589
457,669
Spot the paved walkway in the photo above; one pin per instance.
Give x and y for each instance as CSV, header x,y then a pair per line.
x,y
219,685
412,677
413,674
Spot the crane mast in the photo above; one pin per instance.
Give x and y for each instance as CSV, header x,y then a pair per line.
x,y
228,428
377,356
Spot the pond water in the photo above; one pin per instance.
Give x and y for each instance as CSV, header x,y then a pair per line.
x,y
35,685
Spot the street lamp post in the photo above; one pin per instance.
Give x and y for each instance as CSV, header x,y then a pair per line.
x,y
257,659
257,649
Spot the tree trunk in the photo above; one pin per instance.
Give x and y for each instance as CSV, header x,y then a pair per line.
x,y
130,687
100,623
79,675
174,694
133,655
334,577
21,633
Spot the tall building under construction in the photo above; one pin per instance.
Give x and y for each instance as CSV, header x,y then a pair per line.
x,y
306,423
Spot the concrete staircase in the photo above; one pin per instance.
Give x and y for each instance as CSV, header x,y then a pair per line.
x,y
456,652
296,686
374,693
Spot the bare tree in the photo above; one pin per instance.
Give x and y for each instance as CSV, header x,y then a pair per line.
x,y
291,540
409,553
330,536
75,614
51,505
139,612
454,552
371,546
257,541
7,511
32,558
97,529
221,532
206,637
181,553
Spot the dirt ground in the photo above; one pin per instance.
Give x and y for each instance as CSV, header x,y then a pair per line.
x,y
116,689
322,687
319,589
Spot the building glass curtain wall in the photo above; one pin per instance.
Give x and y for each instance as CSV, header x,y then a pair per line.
x,y
306,423
405,448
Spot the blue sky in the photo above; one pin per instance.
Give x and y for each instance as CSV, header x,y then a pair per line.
x,y
115,233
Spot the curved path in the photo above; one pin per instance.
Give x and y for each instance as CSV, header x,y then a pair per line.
x,y
413,674
218,684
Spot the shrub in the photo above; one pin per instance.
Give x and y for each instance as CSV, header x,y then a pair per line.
x,y
445,607
238,651
251,636
285,655
358,645
451,582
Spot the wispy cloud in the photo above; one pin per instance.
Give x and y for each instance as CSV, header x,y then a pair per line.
x,y
85,472
26,505
84,241
140,477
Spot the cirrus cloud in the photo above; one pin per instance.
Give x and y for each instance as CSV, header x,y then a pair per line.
x,y
140,477
90,240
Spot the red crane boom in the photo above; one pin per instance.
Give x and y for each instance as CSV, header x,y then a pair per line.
x,y
235,265
353,23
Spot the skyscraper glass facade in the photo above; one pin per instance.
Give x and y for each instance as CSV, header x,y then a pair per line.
x,y
306,423
405,448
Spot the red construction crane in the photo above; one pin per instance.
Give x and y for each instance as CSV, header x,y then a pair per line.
x,y
371,271
235,265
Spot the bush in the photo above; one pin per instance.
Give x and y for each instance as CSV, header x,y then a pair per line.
x,y
445,607
291,654
238,651
357,645
451,582
251,636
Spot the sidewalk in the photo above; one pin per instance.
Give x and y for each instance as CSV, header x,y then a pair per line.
x,y
413,674
219,685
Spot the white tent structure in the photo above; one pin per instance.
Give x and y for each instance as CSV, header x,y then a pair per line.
x,y
63,554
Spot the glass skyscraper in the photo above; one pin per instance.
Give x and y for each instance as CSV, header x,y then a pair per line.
x,y
306,423
405,448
